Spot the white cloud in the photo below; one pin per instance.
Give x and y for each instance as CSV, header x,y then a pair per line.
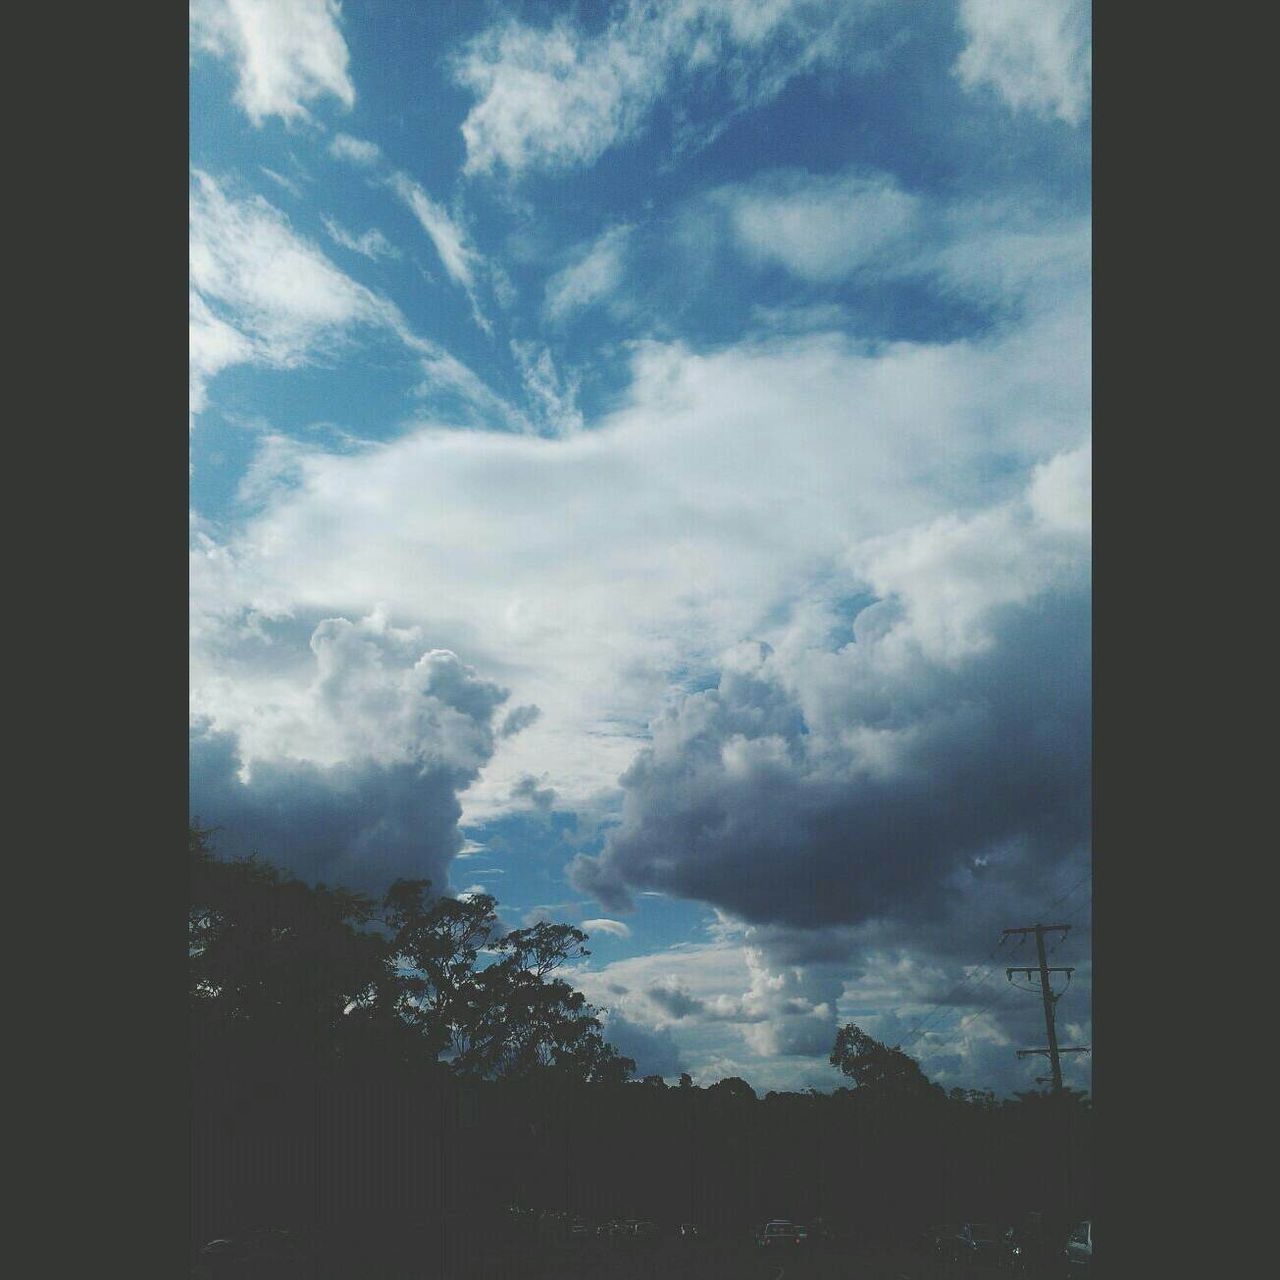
x,y
286,298
556,397
337,747
448,236
264,294
727,489
1035,54
821,228
594,276
356,150
555,98
285,55
371,244
824,229
213,345
615,928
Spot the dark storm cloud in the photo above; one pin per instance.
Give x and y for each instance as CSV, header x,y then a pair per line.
x,y
655,1052
951,766
519,718
675,1000
360,825
398,733
528,789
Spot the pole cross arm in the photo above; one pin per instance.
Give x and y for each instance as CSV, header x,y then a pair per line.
x,y
1044,928
1026,1053
1035,968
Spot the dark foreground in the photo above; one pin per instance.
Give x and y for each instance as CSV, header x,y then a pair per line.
x,y
664,1258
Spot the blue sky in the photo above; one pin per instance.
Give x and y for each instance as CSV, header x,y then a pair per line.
x,y
639,466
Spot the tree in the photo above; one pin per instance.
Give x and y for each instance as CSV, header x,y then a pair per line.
x,y
879,1068
331,976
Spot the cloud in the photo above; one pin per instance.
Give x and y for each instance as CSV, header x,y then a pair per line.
x,y
342,757
821,228
519,718
555,98
554,397
355,150
284,55
764,1001
814,786
719,499
1001,251
655,1053
615,928
282,300
263,294
1036,55
594,275
674,999
371,244
461,262
527,789
448,236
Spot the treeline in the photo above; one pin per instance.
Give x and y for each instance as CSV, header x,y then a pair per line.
x,y
398,1066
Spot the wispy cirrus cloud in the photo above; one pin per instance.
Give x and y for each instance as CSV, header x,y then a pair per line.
x,y
262,293
556,98
285,55
593,276
357,151
371,244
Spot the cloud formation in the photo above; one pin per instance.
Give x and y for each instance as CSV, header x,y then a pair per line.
x,y
1035,55
556,98
285,55
813,787
262,293
614,927
593,276
342,755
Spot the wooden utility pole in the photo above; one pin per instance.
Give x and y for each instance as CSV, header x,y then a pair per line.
x,y
1047,994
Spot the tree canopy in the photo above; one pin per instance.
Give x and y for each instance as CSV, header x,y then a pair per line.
x,y
411,979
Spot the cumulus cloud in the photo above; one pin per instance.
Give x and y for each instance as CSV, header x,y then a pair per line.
x,y
720,499
555,98
814,786
339,753
285,55
655,1052
1035,55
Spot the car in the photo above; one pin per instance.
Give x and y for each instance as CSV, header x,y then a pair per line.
x,y
983,1244
260,1251
1079,1250
779,1232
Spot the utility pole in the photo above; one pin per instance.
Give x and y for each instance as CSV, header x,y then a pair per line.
x,y
1046,992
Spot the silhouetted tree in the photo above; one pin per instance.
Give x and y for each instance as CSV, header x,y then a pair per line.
x,y
877,1067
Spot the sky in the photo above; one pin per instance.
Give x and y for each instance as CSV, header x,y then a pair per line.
x,y
640,462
